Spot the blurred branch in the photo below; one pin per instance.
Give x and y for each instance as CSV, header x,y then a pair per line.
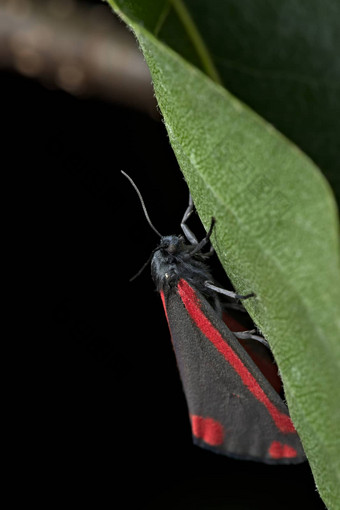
x,y
82,49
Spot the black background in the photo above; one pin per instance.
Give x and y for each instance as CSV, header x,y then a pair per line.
x,y
109,418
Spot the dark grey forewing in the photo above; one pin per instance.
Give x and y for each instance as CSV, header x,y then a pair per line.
x,y
214,390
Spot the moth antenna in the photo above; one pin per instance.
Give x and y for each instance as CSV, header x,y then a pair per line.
x,y
143,205
142,268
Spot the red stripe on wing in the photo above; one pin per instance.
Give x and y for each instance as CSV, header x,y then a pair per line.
x,y
192,305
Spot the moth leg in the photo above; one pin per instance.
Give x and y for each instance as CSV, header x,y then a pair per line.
x,y
235,306
228,293
198,247
190,236
210,252
249,335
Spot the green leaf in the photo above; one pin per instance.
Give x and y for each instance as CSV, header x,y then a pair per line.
x,y
279,57
276,232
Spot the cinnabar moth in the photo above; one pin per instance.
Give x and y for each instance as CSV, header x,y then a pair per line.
x,y
233,408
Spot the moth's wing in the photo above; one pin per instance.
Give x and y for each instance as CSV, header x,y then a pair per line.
x,y
233,408
258,352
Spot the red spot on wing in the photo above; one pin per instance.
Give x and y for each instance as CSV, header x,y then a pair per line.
x,y
208,429
279,450
192,304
